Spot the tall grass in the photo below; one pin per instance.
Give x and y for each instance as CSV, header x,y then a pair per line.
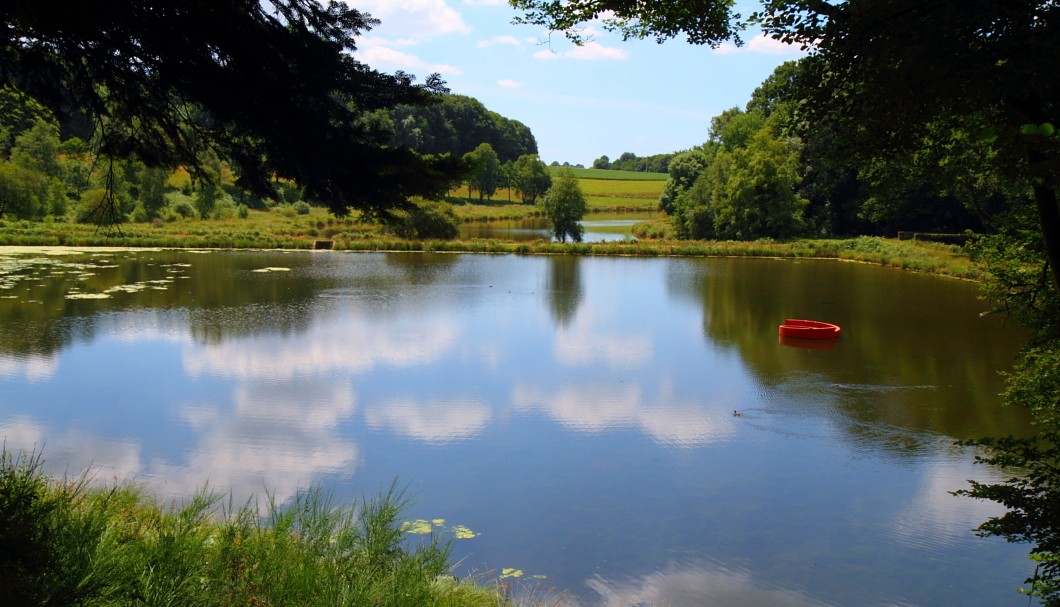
x,y
67,543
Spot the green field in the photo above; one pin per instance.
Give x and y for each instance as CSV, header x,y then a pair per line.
x,y
611,175
630,192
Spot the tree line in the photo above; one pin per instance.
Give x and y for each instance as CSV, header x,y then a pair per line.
x,y
628,161
766,171
44,175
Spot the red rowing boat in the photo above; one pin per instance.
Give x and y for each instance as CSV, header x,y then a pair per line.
x,y
809,329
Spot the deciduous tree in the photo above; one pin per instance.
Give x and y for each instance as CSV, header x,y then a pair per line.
x,y
531,178
564,205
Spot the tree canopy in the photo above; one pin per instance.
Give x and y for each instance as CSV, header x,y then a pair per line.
x,y
456,125
271,86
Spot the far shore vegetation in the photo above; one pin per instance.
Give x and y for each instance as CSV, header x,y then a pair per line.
x,y
271,230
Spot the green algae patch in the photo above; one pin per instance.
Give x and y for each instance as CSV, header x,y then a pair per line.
x,y
423,527
417,527
462,533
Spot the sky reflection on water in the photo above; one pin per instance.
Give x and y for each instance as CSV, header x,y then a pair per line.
x,y
576,413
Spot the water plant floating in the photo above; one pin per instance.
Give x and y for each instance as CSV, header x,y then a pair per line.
x,y
809,329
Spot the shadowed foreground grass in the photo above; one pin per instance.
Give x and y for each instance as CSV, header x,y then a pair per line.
x,y
68,543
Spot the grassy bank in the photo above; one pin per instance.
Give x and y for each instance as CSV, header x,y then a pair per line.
x,y
269,231
68,543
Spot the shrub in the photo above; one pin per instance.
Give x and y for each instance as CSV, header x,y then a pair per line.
x,y
302,207
100,207
426,220
139,214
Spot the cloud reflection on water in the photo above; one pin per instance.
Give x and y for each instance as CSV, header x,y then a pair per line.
x,y
107,460
581,348
276,438
279,437
604,407
696,585
31,367
434,421
934,519
353,346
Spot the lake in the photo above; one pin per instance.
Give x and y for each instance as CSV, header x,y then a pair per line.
x,y
568,421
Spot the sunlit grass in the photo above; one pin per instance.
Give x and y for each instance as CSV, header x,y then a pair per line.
x,y
611,175
622,189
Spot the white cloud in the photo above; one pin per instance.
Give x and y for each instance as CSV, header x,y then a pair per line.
x,y
763,45
372,41
387,59
416,18
590,51
510,84
505,39
486,2
593,51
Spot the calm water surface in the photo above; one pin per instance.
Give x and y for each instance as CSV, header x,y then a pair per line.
x,y
574,413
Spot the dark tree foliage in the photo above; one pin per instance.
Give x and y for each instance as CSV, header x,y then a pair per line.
x,y
269,85
628,161
892,74
702,21
457,125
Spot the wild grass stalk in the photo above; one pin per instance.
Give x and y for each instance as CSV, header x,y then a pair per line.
x,y
70,543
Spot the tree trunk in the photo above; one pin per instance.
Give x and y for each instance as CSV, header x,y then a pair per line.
x,y
1049,221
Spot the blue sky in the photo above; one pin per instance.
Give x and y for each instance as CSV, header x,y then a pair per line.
x,y
607,97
